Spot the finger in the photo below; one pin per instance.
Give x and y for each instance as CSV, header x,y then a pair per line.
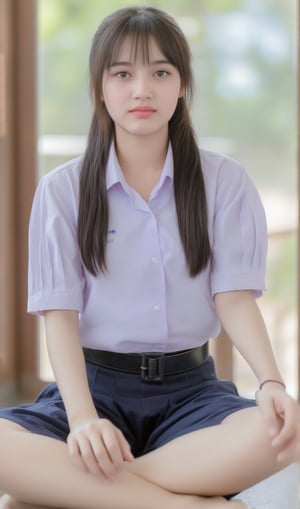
x,y
287,438
88,457
288,431
107,453
74,452
124,447
288,451
288,411
269,414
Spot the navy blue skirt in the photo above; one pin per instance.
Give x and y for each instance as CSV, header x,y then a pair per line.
x,y
148,414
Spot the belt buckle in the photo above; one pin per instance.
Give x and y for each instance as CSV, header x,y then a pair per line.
x,y
152,367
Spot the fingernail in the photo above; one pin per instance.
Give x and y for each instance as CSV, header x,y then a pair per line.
x,y
272,431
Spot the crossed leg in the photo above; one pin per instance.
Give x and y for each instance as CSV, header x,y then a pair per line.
x,y
222,459
188,473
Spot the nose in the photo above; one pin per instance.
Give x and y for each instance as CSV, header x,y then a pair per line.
x,y
142,87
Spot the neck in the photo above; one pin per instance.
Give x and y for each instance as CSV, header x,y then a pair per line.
x,y
142,159
136,153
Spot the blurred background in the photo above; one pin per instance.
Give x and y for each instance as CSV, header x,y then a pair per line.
x,y
245,66
245,63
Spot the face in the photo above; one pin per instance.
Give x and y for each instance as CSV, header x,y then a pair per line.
x,y
141,96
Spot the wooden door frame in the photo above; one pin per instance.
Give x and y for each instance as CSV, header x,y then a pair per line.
x,y
18,160
7,203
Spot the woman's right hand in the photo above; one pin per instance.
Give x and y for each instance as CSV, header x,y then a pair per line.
x,y
98,447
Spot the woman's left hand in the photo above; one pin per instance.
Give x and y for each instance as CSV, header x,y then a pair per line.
x,y
281,413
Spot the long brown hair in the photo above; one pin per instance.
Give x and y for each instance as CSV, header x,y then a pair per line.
x,y
141,23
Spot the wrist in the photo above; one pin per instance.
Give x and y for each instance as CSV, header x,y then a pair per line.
x,y
83,415
272,382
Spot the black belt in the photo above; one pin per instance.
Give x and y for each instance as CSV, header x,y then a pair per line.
x,y
151,366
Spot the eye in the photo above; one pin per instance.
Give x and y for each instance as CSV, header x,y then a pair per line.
x,y
122,74
161,74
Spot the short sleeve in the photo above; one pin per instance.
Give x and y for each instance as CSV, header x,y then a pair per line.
x,y
239,233
55,276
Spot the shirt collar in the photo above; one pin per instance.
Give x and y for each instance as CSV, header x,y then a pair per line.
x,y
113,172
115,175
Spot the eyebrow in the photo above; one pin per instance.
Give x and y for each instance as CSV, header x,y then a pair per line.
x,y
153,62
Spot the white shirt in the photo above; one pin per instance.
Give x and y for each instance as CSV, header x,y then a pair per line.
x,y
146,301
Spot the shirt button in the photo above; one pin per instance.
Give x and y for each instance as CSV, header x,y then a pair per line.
x,y
156,307
154,259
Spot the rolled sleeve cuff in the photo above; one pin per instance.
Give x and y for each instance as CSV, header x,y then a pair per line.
x,y
38,304
254,281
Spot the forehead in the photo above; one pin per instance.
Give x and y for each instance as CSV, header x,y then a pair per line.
x,y
140,47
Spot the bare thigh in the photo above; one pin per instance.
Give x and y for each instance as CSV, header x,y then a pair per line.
x,y
218,460
37,471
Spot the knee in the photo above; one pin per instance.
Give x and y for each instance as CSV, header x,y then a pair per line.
x,y
252,428
263,440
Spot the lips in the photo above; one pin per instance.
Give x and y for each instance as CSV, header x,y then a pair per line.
x,y
142,111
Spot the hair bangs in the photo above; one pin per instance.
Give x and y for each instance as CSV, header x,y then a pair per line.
x,y
139,30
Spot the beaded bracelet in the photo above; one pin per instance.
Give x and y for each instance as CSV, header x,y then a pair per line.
x,y
274,381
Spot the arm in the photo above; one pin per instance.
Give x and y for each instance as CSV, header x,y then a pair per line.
x,y
243,322
67,361
94,444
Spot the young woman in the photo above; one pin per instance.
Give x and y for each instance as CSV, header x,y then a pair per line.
x,y
139,252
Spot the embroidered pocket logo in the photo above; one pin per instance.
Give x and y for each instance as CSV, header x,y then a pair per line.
x,y
110,235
